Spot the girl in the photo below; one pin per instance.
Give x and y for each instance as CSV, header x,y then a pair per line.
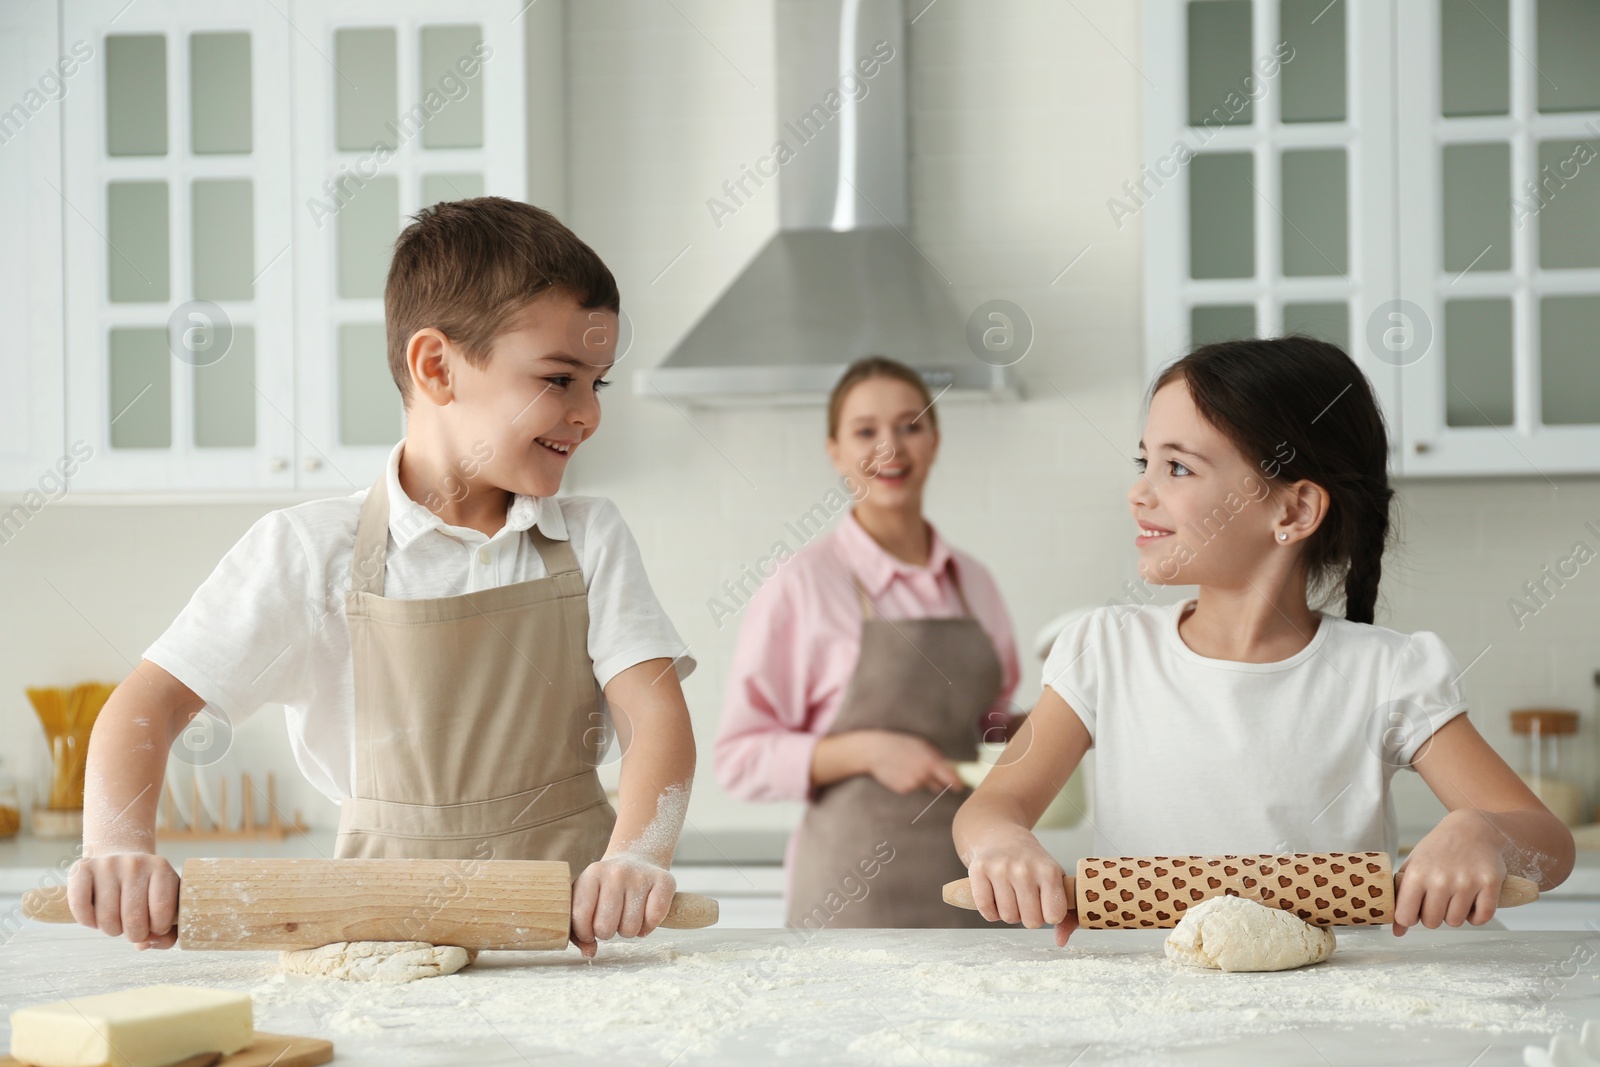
x,y
1243,720
865,666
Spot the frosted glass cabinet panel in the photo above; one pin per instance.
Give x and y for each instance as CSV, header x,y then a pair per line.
x,y
368,226
1568,43
225,395
1476,193
1314,80
1478,335
1325,321
448,51
1569,220
224,258
367,91
137,236
136,94
1218,61
141,388
1570,371
1221,219
1474,57
219,93
1221,323
1316,217
440,187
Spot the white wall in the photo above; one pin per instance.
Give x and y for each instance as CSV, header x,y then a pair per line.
x,y
1024,121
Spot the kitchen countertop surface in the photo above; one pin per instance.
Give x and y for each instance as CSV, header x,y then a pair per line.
x,y
940,997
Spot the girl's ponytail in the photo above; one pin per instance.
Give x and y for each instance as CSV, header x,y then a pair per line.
x,y
1368,539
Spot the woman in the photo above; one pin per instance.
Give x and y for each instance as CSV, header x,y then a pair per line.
x,y
872,661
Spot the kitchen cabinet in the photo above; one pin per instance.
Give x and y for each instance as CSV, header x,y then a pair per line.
x,y
214,224
35,73
1416,182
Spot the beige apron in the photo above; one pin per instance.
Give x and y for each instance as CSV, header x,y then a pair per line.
x,y
930,677
476,719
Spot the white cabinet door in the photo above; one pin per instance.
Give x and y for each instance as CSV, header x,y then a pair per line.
x,y
36,70
1266,196
179,300
399,106
1499,180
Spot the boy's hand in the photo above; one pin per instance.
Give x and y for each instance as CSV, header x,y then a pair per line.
x,y
1453,875
625,894
1018,881
132,893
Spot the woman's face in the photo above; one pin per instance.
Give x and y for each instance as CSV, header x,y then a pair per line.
x,y
1200,505
885,442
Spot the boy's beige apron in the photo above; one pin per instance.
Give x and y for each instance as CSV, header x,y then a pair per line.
x,y
930,677
476,719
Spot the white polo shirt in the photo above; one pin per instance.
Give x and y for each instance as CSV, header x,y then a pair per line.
x,y
1203,756
268,626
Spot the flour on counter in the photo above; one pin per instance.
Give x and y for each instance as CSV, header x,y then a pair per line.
x,y
650,1002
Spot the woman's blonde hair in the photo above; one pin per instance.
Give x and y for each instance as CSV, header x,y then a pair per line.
x,y
877,367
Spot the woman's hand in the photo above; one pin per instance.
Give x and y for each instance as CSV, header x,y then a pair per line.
x,y
132,893
1453,875
623,894
904,763
1017,881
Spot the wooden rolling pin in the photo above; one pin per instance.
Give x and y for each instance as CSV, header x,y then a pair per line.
x,y
1324,888
306,903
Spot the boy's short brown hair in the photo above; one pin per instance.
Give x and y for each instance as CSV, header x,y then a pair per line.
x,y
467,268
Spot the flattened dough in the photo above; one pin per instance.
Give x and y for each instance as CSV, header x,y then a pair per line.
x,y
377,961
1234,934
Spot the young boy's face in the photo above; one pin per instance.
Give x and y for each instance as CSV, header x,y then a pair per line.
x,y
521,416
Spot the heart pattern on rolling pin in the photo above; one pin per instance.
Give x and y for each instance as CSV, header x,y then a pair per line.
x,y
1326,888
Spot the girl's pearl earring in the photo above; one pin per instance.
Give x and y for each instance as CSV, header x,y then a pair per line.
x,y
1282,536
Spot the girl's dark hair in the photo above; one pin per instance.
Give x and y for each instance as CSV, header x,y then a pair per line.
x,y
1300,408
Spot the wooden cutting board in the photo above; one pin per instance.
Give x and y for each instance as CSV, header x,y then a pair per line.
x,y
268,1050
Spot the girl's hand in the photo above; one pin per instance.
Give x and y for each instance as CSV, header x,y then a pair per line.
x,y
904,763
624,894
1018,881
132,893
1453,875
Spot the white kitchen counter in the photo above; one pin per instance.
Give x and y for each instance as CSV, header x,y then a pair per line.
x,y
1450,997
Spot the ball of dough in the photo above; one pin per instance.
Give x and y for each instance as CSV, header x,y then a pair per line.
x,y
1234,934
377,961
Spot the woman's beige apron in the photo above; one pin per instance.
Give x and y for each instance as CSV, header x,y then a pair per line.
x,y
477,730
930,677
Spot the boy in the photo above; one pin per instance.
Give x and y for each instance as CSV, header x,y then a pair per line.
x,y
440,639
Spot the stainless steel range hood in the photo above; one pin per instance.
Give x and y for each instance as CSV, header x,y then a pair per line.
x,y
842,278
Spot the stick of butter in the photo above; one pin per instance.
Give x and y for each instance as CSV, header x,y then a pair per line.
x,y
146,1027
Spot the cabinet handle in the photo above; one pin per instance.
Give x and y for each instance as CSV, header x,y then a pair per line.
x,y
312,463
277,463
1423,446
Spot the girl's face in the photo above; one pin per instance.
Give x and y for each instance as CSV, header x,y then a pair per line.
x,y
885,441
1204,511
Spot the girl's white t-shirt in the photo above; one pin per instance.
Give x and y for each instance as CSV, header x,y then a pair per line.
x,y
1205,756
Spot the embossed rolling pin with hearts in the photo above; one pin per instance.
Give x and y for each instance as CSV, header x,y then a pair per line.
x,y
1323,888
